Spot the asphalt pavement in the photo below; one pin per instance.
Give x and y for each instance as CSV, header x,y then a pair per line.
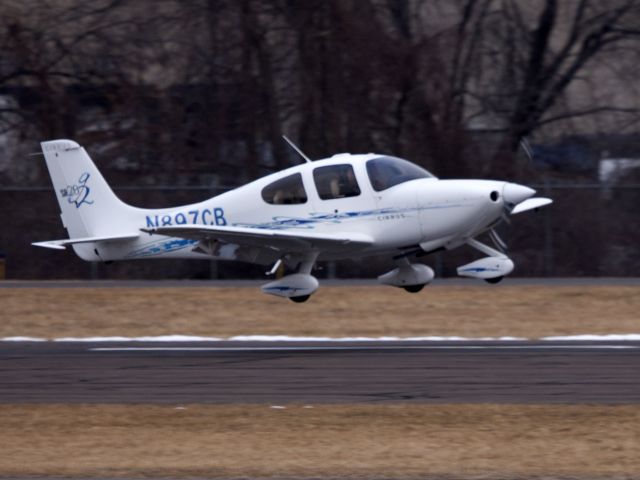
x,y
319,372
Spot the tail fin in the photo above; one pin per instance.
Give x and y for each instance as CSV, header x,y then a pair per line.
x,y
89,207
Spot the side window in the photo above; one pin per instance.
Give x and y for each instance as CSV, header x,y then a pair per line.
x,y
336,181
286,191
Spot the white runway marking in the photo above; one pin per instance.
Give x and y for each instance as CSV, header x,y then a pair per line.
x,y
363,348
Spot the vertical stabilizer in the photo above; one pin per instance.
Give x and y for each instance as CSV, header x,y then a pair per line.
x,y
89,207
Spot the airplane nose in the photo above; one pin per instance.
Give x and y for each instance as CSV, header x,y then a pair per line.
x,y
514,193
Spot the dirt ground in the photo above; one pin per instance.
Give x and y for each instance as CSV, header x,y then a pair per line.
x,y
394,441
372,311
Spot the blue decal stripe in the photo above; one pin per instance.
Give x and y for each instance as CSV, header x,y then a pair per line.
x,y
161,246
283,289
283,223
480,269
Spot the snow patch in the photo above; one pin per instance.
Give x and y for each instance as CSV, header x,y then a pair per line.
x,y
613,337
287,338
23,339
262,338
160,338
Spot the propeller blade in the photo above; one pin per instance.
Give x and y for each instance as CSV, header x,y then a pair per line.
x,y
505,216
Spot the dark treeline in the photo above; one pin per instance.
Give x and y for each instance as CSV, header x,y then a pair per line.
x,y
199,92
209,86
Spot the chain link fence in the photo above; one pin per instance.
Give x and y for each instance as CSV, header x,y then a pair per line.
x,y
590,230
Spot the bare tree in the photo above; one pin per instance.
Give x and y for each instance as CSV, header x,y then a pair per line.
x,y
536,60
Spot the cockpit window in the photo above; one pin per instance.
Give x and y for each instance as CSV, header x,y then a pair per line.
x,y
286,191
386,172
336,181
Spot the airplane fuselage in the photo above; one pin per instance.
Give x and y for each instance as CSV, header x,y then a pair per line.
x,y
346,206
425,212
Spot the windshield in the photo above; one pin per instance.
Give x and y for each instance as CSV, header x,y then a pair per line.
x,y
387,172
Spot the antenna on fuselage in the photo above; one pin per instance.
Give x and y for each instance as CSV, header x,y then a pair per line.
x,y
293,145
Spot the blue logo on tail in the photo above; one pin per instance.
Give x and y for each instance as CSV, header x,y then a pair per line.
x,y
78,194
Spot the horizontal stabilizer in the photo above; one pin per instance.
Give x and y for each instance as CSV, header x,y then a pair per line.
x,y
62,244
531,204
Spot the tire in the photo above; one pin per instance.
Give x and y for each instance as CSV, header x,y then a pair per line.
x,y
493,280
300,299
414,288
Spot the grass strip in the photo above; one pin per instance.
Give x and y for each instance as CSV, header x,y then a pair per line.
x,y
473,311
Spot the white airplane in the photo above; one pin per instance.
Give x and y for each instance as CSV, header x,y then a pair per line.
x,y
345,206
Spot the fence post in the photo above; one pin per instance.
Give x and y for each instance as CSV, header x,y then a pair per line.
x,y
213,264
548,235
331,269
94,270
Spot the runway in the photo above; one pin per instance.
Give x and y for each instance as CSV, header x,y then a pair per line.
x,y
319,372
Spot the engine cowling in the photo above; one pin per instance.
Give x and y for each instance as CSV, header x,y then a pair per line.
x,y
488,267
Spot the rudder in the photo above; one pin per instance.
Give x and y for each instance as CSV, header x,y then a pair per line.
x,y
88,205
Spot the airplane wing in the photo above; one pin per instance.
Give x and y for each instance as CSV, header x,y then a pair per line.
x,y
280,240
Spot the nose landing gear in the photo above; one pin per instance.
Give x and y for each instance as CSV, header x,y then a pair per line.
x,y
491,269
297,287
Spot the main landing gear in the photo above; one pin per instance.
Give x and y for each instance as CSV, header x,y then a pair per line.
x,y
411,276
300,298
297,287
414,288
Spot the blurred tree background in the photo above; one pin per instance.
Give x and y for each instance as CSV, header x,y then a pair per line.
x,y
178,100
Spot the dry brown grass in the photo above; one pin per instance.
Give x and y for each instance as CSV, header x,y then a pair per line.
x,y
474,311
346,440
